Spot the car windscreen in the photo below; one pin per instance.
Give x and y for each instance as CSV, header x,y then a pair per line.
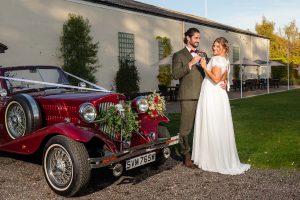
x,y
35,74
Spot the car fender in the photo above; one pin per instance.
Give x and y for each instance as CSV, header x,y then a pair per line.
x,y
30,143
149,124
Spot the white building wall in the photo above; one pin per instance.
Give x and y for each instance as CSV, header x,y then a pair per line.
x,y
32,29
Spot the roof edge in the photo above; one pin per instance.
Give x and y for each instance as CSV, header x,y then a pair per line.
x,y
175,15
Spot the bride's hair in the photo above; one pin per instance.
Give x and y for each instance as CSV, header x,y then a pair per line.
x,y
224,42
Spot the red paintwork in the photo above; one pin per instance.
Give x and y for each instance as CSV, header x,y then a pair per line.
x,y
55,108
30,143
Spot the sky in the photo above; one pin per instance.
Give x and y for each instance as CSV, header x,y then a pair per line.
x,y
242,14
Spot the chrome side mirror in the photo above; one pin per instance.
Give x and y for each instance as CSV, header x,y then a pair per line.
x,y
82,84
3,92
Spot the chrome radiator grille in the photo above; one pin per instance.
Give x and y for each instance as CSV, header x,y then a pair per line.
x,y
104,127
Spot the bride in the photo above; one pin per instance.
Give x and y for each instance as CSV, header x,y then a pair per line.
x,y
214,146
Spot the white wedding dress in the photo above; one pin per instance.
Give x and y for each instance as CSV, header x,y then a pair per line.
x,y
214,146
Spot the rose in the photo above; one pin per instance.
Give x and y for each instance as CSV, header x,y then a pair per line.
x,y
156,99
155,113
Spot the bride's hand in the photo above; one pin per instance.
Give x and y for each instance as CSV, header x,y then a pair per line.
x,y
203,63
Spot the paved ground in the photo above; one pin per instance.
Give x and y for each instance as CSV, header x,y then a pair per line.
x,y
174,107
23,179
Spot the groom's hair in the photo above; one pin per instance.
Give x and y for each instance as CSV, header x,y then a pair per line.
x,y
189,33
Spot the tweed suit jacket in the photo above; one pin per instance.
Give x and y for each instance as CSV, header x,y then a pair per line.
x,y
190,80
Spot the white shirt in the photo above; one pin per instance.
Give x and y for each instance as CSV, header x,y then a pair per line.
x,y
193,54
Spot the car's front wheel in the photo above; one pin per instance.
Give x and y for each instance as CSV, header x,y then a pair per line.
x,y
66,166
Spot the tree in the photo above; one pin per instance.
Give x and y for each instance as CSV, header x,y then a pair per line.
x,y
293,42
78,51
277,46
281,44
266,28
127,78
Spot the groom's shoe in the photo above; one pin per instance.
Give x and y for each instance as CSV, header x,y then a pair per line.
x,y
188,163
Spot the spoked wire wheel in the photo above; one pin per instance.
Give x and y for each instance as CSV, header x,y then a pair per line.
x,y
59,167
15,120
66,165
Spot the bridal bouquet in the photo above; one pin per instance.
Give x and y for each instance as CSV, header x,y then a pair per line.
x,y
157,104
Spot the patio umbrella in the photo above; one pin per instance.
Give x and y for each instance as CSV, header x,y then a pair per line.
x,y
244,62
271,63
2,48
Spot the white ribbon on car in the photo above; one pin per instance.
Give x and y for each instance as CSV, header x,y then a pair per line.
x,y
99,89
92,84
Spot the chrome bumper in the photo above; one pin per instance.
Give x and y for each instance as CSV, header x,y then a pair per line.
x,y
132,152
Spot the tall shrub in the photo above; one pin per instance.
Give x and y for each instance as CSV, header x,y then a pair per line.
x,y
78,50
164,75
127,78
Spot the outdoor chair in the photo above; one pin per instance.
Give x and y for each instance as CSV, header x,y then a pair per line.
x,y
274,83
163,91
262,83
250,84
236,84
173,92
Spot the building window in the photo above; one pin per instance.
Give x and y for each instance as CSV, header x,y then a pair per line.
x,y
235,54
126,46
160,50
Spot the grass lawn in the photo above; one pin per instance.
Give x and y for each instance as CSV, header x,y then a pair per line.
x,y
267,129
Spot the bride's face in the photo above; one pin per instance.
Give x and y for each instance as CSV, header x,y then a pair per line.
x,y
218,49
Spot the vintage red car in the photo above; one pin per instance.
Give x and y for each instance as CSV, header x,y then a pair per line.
x,y
41,111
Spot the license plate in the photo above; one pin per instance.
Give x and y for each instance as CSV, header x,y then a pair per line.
x,y
140,160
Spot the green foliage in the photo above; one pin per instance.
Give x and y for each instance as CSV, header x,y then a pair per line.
x,y
121,118
165,75
266,130
166,42
284,48
293,38
78,51
127,78
266,28
279,72
236,72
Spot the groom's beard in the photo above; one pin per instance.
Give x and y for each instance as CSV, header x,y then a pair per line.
x,y
195,45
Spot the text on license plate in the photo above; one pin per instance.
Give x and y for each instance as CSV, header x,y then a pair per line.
x,y
140,160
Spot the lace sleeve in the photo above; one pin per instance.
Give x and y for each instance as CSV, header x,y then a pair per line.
x,y
217,62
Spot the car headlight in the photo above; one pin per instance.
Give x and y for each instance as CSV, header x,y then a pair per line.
x,y
142,105
88,112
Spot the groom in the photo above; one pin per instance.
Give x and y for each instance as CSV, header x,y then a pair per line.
x,y
186,68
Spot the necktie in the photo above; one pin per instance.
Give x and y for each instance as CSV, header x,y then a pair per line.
x,y
193,51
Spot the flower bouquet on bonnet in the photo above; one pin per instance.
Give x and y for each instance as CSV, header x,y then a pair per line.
x,y
157,104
